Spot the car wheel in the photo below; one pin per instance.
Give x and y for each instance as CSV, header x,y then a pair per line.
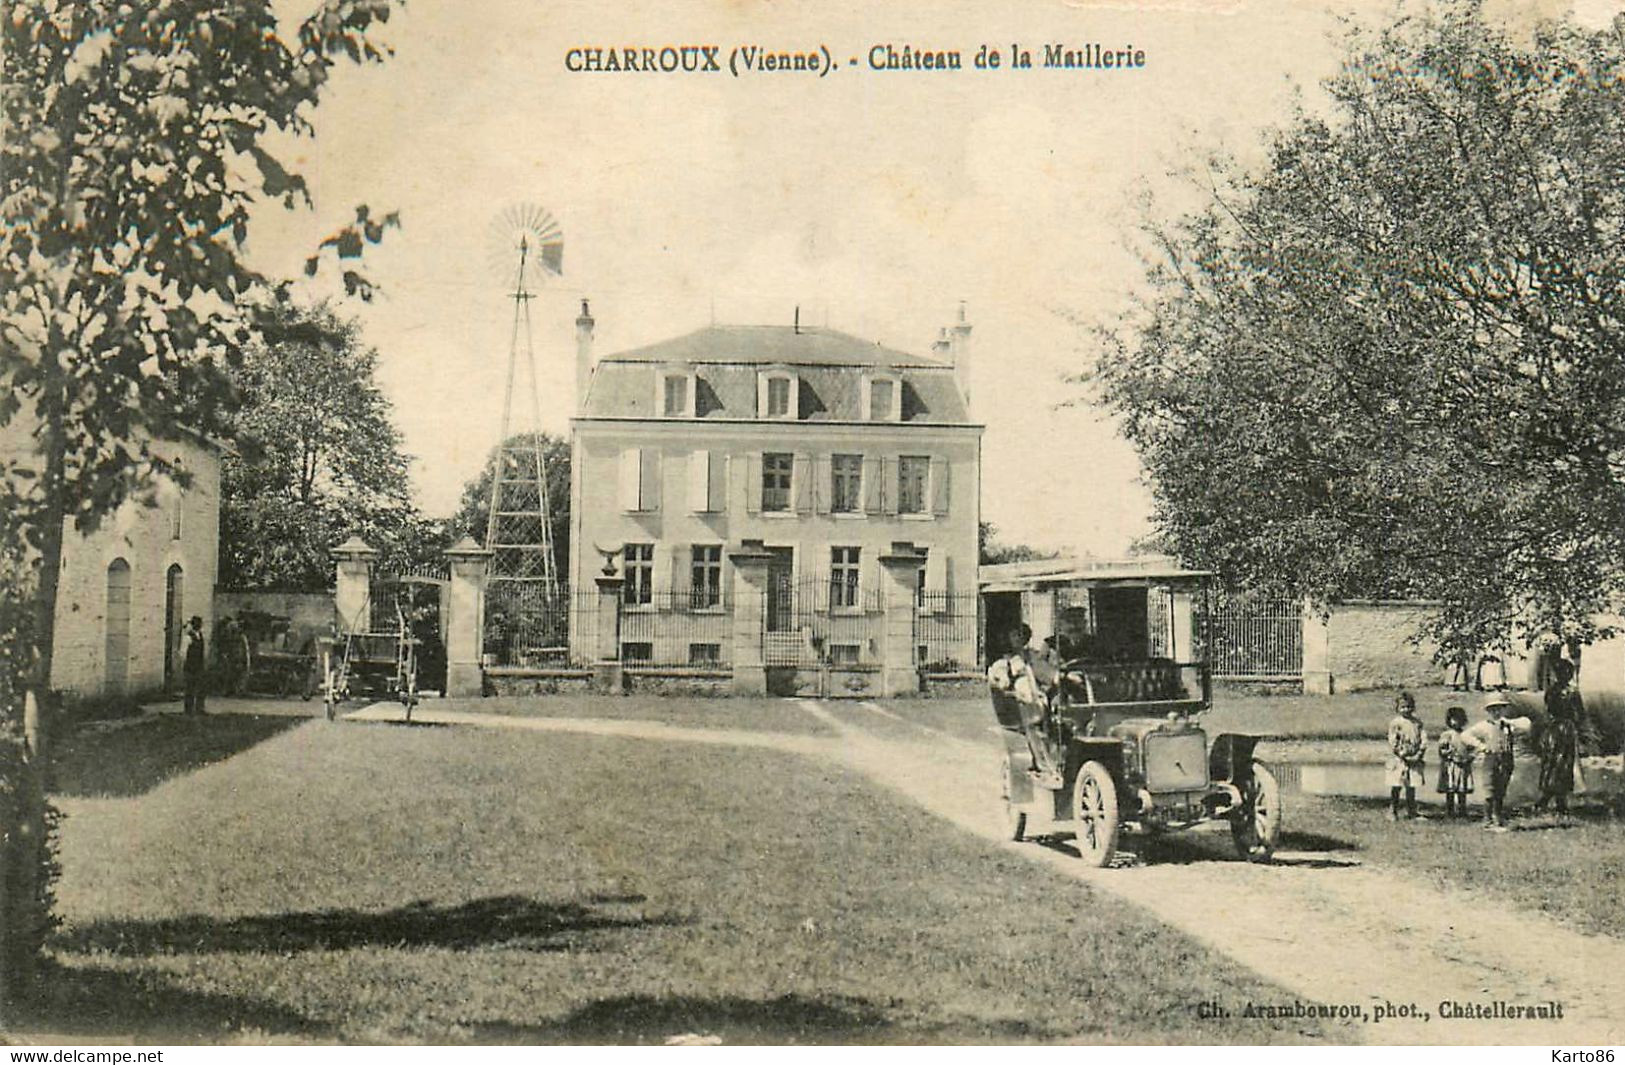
x,y
1015,821
1094,808
1256,824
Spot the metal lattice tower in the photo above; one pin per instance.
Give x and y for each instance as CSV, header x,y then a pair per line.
x,y
519,530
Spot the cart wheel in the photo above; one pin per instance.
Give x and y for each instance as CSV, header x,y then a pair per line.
x,y
1015,821
1094,808
1256,824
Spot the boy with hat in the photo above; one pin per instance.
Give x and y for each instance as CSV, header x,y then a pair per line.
x,y
1493,738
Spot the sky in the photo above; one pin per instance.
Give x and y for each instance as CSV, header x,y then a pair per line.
x,y
875,201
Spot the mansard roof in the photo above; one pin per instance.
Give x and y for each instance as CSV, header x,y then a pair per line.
x,y
726,360
757,344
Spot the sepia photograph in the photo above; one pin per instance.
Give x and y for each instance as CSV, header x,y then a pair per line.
x,y
734,522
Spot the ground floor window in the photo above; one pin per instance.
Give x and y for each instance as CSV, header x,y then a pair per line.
x,y
843,654
843,577
705,585
637,651
640,572
704,654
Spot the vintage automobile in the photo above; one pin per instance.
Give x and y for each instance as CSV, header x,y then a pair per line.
x,y
1130,683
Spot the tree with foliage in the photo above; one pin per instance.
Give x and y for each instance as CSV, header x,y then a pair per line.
x,y
993,551
1390,360
135,138
473,511
317,457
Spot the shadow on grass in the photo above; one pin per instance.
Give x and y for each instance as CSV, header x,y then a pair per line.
x,y
506,920
131,761
730,1019
74,1000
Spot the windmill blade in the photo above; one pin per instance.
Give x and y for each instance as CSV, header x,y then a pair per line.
x,y
528,229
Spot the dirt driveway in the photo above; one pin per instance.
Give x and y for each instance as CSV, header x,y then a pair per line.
x,y
1319,924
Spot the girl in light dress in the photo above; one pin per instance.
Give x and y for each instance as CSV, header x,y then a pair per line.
x,y
1407,746
1455,763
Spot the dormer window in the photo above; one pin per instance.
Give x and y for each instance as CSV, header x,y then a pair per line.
x,y
776,396
882,399
676,396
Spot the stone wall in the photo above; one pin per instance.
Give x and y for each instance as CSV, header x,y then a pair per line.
x,y
1369,646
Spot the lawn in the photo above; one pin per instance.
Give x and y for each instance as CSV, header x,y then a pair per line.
x,y
762,715
1574,874
387,883
132,756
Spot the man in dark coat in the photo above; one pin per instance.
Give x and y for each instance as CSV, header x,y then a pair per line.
x,y
192,668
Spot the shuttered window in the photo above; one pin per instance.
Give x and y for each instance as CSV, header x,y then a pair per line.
x,y
778,468
913,477
707,482
846,483
639,480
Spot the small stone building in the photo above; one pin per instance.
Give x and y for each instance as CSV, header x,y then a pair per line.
x,y
127,589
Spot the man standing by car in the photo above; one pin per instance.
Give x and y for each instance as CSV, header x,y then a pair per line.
x,y
192,668
1029,674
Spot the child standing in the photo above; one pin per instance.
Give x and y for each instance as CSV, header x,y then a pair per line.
x,y
1493,736
1407,744
1455,763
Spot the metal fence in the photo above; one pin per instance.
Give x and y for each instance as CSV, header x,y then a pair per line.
x,y
1255,636
822,622
947,632
677,629
527,624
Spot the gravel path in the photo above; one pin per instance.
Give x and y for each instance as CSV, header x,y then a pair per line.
x,y
1320,924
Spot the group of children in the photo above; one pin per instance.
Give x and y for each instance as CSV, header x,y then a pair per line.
x,y
1487,745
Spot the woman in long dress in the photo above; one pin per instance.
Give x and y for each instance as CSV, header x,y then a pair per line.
x,y
1560,742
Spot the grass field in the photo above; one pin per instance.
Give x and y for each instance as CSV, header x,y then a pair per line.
x,y
765,715
383,883
1573,873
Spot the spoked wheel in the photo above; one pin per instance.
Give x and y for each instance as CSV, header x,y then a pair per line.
x,y
409,689
1094,808
330,688
1015,821
1256,823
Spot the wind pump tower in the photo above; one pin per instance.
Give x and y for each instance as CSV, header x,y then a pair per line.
x,y
519,528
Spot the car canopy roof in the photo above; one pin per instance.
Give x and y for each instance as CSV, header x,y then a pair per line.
x,y
1026,576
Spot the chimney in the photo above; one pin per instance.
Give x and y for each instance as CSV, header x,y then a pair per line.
x,y
940,346
959,352
584,326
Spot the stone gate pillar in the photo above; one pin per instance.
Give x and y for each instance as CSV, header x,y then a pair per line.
x,y
750,611
899,582
465,618
352,582
1317,651
609,672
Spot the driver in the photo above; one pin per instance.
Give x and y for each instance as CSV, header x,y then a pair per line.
x,y
1029,674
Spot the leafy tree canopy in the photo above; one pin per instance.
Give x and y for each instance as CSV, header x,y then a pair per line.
x,y
1390,360
473,510
137,136
994,551
318,457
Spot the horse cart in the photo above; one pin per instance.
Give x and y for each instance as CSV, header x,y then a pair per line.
x,y
376,654
1128,679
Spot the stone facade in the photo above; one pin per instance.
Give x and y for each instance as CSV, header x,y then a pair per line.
x,y
128,588
815,448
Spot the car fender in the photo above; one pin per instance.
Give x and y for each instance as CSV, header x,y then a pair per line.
x,y
1230,757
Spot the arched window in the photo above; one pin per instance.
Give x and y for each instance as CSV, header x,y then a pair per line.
x,y
174,611
118,626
